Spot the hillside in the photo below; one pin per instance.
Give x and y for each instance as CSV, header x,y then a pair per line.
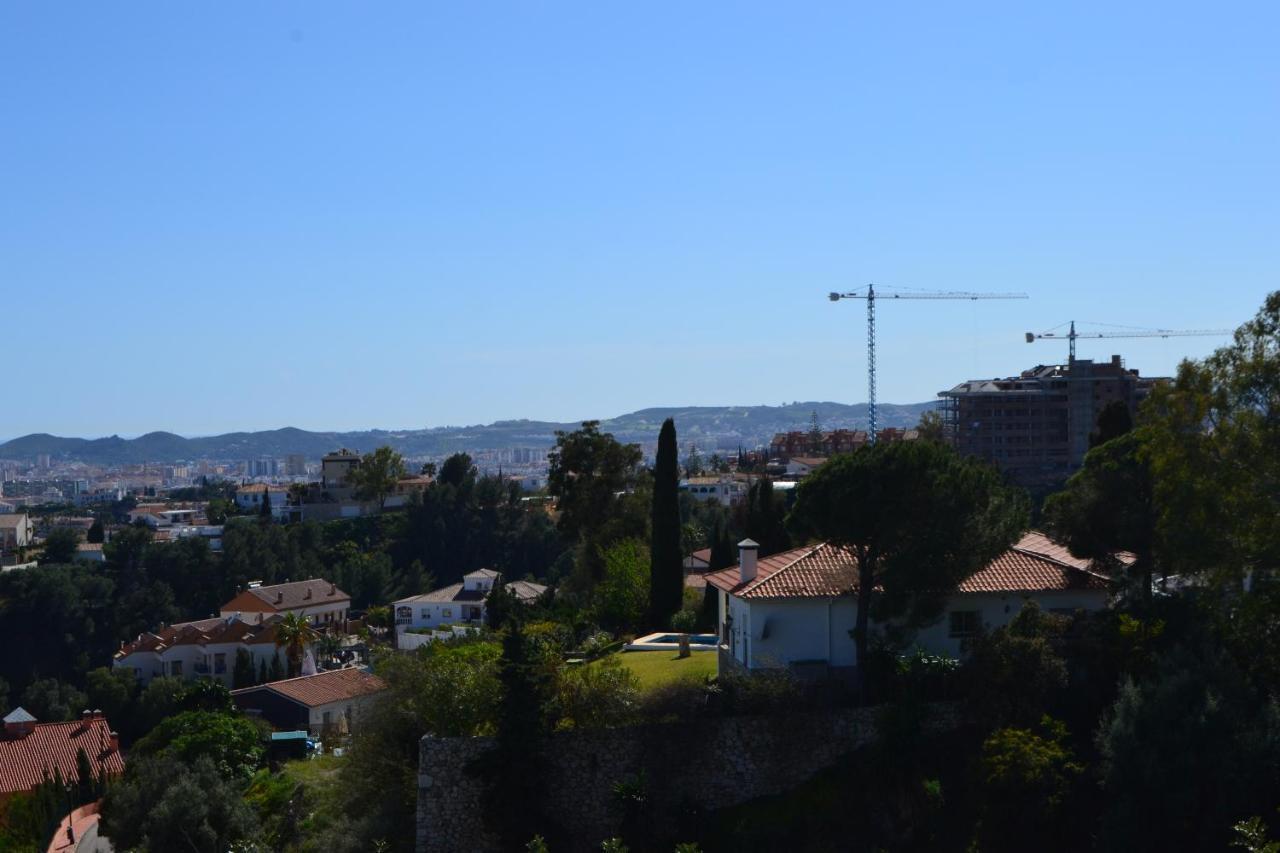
x,y
724,427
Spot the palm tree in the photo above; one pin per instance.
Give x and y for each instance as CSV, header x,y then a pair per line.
x,y
293,634
327,646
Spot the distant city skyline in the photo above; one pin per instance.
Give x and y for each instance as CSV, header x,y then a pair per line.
x,y
241,217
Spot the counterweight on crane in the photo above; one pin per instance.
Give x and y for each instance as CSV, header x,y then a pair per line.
x,y
870,295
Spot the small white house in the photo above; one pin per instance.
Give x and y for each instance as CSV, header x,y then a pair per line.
x,y
459,603
797,609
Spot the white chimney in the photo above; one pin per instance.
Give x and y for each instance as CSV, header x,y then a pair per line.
x,y
747,559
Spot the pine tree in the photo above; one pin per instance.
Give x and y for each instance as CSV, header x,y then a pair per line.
x,y
666,569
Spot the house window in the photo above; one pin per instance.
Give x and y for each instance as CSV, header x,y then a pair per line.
x,y
446,613
426,613
175,668
965,623
219,663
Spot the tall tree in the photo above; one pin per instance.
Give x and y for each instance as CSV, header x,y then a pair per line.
x,y
917,519
1214,451
1108,506
666,567
264,510
1113,421
60,546
765,518
96,533
375,478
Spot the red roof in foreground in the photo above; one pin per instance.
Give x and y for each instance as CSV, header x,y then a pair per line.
x,y
1034,564
322,688
26,759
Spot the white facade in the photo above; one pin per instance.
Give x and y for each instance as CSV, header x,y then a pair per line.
x,y
773,633
726,489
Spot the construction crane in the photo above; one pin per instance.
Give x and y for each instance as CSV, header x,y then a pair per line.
x,y
871,296
1072,335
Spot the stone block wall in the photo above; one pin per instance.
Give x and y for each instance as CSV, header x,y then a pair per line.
x,y
707,765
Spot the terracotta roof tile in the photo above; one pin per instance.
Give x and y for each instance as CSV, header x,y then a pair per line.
x,y
291,596
323,687
26,759
1035,564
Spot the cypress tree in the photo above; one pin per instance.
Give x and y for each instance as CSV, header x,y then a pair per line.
x,y
265,510
666,567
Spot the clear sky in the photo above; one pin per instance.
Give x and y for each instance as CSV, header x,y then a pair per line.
x,y
224,216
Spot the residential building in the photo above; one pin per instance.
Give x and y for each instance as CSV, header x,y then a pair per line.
x,y
295,465
91,551
249,498
323,704
205,648
335,467
16,530
31,751
724,488
803,466
1035,427
459,603
796,609
320,601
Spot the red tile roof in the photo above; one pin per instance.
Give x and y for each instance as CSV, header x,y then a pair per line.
x,y
322,688
26,759
202,632
1034,564
290,596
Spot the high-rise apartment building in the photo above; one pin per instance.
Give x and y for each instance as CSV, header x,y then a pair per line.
x,y
1036,426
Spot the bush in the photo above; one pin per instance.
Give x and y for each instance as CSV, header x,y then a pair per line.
x,y
602,694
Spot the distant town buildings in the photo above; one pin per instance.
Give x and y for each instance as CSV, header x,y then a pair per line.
x,y
1036,426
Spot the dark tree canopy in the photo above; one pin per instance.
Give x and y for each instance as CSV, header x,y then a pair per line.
x,y
918,519
588,469
666,575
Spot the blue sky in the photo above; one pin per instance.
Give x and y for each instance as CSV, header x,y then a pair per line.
x,y
347,215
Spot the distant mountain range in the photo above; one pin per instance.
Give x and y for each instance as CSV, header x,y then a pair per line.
x,y
723,427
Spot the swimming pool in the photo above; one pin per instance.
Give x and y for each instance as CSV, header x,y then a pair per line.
x,y
669,642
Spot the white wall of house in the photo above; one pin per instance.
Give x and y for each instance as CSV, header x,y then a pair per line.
x,y
328,715
431,614
194,661
995,610
771,633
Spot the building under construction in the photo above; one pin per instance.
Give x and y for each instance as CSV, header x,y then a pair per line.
x,y
1035,427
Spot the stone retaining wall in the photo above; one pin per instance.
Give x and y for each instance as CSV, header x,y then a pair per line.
x,y
706,765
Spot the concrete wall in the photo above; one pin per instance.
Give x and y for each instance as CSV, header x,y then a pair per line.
x,y
709,764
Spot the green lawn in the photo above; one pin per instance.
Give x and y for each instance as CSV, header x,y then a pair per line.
x,y
657,668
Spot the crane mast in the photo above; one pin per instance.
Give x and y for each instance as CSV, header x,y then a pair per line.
x,y
870,296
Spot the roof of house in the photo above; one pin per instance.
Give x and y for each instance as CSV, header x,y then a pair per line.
x,y
810,461
1034,564
292,596
524,590
19,715
230,629
322,688
13,519
252,488
527,590
484,573
26,759
702,555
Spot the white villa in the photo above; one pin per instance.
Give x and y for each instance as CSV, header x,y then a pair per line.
x,y
459,603
205,648
796,609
